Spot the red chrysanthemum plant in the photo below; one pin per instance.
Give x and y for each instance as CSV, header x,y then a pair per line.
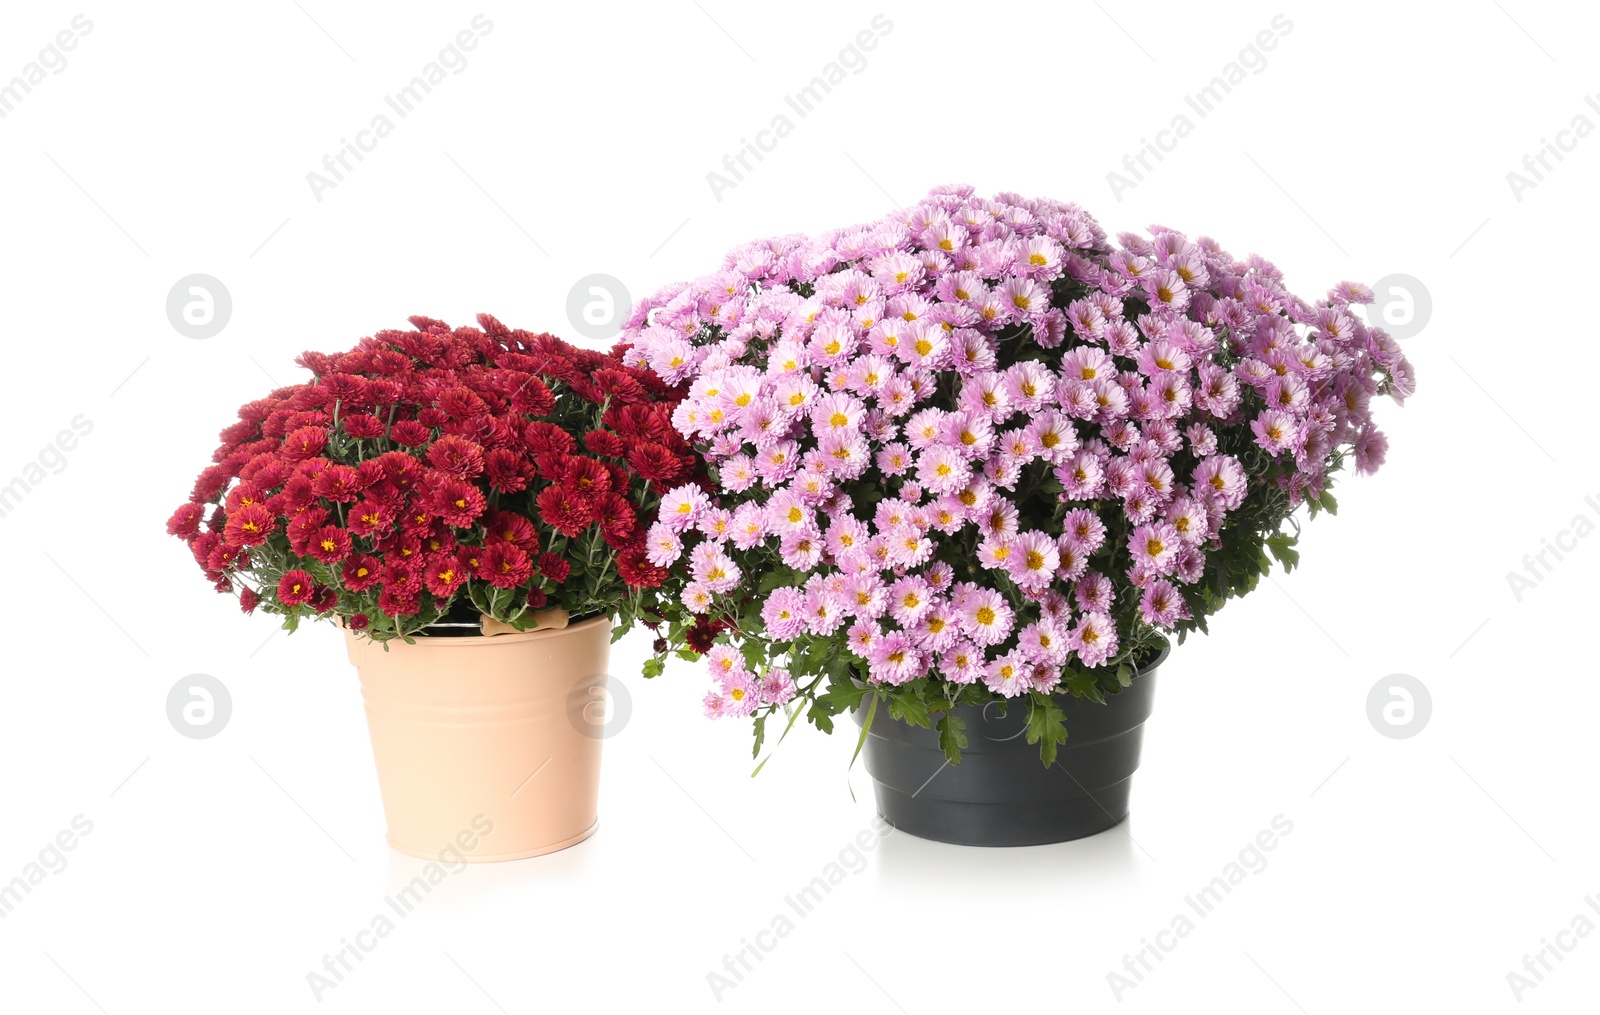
x,y
442,473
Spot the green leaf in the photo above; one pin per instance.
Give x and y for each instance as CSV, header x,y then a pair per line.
x,y
761,733
866,727
909,708
1046,727
654,667
952,737
1083,685
1282,546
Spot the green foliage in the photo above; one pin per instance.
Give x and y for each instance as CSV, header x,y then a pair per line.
x,y
1047,726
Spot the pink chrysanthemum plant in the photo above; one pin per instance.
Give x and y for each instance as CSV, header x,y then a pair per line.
x,y
978,451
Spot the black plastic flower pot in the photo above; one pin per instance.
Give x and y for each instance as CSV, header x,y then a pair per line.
x,y
1001,794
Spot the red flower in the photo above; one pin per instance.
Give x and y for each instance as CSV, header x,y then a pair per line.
x,y
459,503
533,398
401,469
401,577
296,588
358,622
400,549
616,518
445,575
330,544
604,442
397,603
462,403
225,558
551,465
265,471
563,510
702,634
361,425
306,442
185,522
509,527
304,528
504,565
554,567
637,421
298,494
339,483
620,387
654,462
506,470
360,572
249,526
409,433
636,569
369,518
460,458
542,437
588,476
248,598
210,484
325,599
202,545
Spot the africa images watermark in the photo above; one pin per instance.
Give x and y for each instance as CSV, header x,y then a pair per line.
x,y
52,58
1537,965
452,60
52,860
452,860
1252,58
852,58
1538,566
51,461
852,859
1537,166
1252,859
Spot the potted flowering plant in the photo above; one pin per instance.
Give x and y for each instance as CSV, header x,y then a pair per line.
x,y
976,465
468,504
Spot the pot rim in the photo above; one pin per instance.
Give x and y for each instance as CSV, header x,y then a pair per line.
x,y
537,634
1146,670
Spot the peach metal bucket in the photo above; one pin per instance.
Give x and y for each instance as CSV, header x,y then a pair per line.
x,y
488,730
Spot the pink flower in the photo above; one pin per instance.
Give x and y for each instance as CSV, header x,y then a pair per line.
x,y
1275,431
1154,545
942,469
985,617
962,663
1033,560
1161,605
784,614
909,599
1008,675
776,687
894,659
801,549
1084,530
681,507
664,546
1094,639
1043,642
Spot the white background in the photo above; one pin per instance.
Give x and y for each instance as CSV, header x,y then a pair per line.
x,y
577,140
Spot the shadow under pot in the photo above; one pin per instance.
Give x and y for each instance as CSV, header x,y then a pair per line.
x,y
1002,794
